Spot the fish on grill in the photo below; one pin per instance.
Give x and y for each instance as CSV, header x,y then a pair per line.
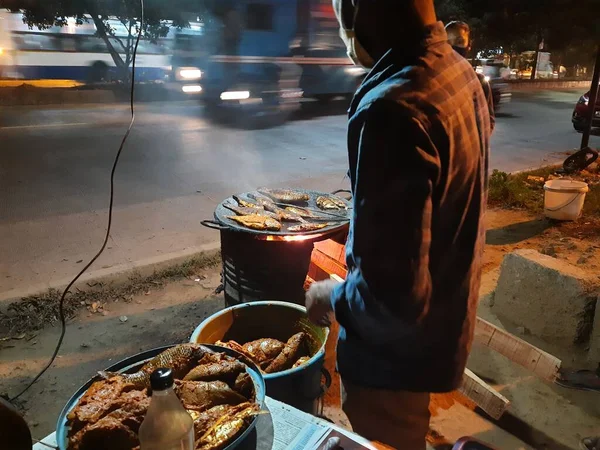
x,y
285,195
269,205
330,202
246,211
257,222
307,227
245,203
293,350
261,200
180,359
302,212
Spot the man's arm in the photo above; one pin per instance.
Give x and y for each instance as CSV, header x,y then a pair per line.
x,y
397,169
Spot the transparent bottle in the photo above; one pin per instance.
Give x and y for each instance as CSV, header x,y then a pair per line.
x,y
167,425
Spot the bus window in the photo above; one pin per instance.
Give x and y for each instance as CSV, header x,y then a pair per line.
x,y
36,42
91,44
259,17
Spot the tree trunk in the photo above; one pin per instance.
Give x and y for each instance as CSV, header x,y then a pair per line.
x,y
536,57
122,67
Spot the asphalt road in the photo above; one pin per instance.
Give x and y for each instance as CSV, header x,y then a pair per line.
x,y
176,166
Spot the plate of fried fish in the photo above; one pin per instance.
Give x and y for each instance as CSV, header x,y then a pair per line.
x,y
222,390
284,211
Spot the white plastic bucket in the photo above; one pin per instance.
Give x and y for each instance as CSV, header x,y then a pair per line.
x,y
563,199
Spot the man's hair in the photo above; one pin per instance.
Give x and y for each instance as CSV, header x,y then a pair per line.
x,y
458,34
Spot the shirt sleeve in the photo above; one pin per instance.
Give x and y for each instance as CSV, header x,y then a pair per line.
x,y
389,287
489,96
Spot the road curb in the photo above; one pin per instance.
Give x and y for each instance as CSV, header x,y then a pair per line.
x,y
121,274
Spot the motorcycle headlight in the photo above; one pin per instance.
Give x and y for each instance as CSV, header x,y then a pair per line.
x,y
189,73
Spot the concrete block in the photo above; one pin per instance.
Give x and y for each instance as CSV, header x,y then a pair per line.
x,y
553,299
594,353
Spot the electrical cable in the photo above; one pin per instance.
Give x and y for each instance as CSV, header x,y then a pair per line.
x,y
61,310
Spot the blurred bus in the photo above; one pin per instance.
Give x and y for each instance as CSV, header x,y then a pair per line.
x,y
71,52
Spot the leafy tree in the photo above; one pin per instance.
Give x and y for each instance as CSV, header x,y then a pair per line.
x,y
158,14
568,29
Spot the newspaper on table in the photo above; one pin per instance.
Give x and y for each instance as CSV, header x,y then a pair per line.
x,y
296,430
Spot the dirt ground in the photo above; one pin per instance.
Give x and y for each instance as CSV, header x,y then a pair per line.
x,y
541,416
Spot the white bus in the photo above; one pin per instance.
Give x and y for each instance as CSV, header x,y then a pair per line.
x,y
71,52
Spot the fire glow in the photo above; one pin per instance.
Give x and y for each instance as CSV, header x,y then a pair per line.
x,y
293,238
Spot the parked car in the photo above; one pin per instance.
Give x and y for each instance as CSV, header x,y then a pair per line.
x,y
581,111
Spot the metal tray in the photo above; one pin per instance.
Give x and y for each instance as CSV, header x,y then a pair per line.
x,y
222,222
133,364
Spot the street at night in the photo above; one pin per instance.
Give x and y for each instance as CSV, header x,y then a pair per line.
x,y
177,165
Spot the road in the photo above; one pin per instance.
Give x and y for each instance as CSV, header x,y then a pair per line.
x,y
176,166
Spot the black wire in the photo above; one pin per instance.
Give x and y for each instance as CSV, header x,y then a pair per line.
x,y
61,309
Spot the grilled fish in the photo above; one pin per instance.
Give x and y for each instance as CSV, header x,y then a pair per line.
x,y
257,222
330,202
285,195
245,203
282,214
307,227
246,211
262,200
305,213
180,359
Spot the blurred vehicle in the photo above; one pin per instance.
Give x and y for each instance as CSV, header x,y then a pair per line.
x,y
264,57
581,112
497,75
72,52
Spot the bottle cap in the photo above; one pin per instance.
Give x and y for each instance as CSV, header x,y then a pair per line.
x,y
161,379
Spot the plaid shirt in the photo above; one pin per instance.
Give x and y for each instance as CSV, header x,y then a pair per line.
x,y
418,141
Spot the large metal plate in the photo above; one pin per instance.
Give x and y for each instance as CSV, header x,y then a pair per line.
x,y
133,364
221,214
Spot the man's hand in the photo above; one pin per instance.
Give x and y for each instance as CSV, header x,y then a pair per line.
x,y
318,302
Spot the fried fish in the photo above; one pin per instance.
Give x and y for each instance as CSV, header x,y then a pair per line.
x,y
246,211
330,202
307,227
257,222
245,203
304,213
285,195
262,200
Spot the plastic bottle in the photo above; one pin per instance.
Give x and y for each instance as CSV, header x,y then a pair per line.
x,y
167,425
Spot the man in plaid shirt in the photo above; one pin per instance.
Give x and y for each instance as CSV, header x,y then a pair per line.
x,y
418,142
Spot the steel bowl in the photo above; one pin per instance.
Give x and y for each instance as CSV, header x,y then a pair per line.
x,y
133,364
